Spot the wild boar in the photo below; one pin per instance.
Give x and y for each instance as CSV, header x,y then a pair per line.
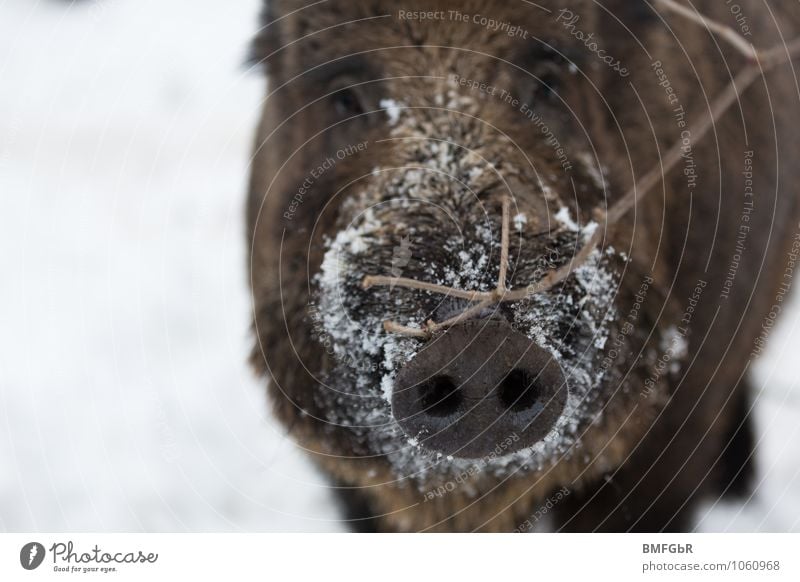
x,y
395,138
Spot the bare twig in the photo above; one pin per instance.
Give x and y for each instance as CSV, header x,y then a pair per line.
x,y
431,327
379,281
501,280
393,327
644,185
463,316
760,62
484,299
734,38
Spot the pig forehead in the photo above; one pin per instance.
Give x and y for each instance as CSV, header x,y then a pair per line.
x,y
361,8
428,28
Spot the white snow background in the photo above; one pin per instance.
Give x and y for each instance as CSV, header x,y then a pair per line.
x,y
126,403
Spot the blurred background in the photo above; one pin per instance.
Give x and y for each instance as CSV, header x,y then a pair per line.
x,y
126,402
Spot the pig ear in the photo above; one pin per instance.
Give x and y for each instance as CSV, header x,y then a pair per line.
x,y
266,41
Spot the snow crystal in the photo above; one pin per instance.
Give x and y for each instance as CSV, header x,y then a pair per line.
x,y
674,348
590,165
393,109
564,217
589,230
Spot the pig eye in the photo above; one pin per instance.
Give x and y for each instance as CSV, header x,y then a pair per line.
x,y
347,103
546,83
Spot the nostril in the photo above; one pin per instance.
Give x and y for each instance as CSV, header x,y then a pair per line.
x,y
440,396
454,398
519,391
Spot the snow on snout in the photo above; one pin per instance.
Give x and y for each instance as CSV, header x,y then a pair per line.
x,y
571,323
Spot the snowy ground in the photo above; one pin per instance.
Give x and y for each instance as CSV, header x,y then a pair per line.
x,y
125,399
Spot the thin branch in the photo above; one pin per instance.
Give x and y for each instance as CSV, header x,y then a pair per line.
x,y
484,299
501,280
652,178
431,327
734,38
393,327
556,276
379,281
463,316
760,63
779,55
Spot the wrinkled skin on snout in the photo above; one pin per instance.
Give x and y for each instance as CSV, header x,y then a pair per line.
x,y
387,147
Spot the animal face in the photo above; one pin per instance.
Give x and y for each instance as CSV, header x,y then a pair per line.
x,y
391,141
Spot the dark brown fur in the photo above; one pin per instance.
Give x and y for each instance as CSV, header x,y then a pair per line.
x,y
649,460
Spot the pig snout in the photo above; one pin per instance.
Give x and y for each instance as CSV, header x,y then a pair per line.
x,y
476,385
